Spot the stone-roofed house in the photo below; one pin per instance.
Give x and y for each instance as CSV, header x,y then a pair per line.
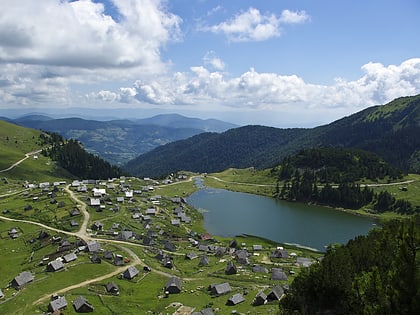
x,y
55,265
220,251
22,279
112,288
173,285
278,274
259,269
93,246
57,304
204,261
279,253
130,273
97,226
191,256
206,311
276,293
220,289
95,259
125,235
242,256
260,299
231,269
81,305
235,299
69,257
304,262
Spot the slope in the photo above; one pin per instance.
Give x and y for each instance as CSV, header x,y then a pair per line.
x,y
390,130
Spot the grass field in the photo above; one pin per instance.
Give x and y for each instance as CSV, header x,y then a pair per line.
x,y
15,141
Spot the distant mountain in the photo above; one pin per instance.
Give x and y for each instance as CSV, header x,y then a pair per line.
x,y
209,152
179,121
119,141
391,131
33,117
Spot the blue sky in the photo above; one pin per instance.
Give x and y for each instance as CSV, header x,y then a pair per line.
x,y
271,62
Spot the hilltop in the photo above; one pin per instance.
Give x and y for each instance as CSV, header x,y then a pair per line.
x,y
119,141
389,130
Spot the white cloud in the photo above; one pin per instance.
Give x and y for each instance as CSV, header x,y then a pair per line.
x,y
282,93
80,34
48,46
290,17
251,25
212,60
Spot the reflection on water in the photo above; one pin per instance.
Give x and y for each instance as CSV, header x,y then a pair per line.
x,y
228,213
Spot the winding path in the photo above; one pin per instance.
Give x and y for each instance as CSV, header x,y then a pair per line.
x,y
82,233
27,155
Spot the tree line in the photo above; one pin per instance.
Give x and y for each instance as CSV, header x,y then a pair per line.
x,y
328,176
71,156
374,274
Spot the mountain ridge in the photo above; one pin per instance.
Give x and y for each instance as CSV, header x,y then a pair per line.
x,y
120,140
388,130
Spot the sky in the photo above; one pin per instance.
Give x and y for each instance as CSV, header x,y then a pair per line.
x,y
270,62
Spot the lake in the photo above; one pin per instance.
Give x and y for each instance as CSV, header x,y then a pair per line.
x,y
228,214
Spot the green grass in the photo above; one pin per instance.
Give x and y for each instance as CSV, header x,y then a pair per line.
x,y
15,141
243,180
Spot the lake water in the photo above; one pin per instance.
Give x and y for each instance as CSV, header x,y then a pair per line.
x,y
228,214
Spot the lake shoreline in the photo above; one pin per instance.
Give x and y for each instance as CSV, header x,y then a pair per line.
x,y
289,223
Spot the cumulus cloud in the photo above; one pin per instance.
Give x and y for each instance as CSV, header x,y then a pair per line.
x,y
270,91
48,46
212,60
251,25
80,34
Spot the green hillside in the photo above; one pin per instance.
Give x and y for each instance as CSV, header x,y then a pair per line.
x,y
391,131
119,141
15,141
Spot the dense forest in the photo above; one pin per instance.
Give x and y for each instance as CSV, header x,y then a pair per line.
x,y
337,165
374,274
71,156
332,176
391,131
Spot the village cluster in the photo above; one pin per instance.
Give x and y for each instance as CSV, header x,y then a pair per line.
x,y
123,211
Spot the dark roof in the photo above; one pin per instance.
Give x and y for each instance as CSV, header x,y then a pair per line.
x,y
279,253
242,256
95,259
278,274
57,304
112,287
173,285
235,299
55,265
125,235
220,289
191,256
260,299
204,261
220,251
275,293
130,273
148,241
82,305
304,262
230,268
108,255
93,246
69,257
261,269
169,246
206,311
22,279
